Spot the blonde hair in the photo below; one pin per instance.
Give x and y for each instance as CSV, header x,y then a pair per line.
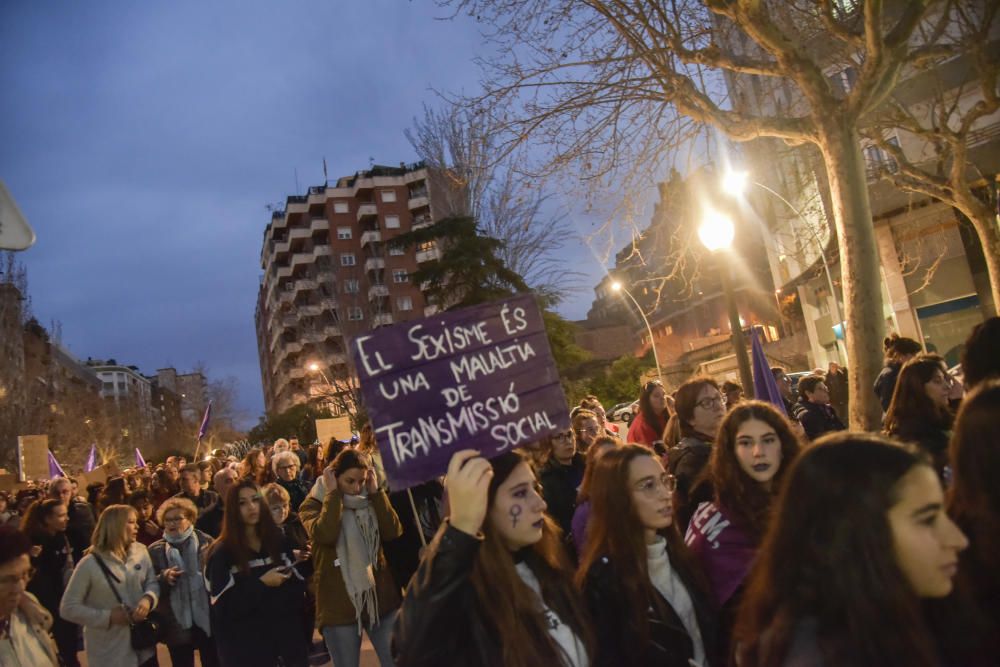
x,y
109,534
274,493
174,503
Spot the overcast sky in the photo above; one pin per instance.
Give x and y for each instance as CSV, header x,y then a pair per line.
x,y
143,140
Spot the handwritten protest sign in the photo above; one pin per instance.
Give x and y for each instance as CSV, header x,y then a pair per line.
x,y
33,457
481,378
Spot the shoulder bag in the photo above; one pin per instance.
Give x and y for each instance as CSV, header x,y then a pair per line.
x,y
144,634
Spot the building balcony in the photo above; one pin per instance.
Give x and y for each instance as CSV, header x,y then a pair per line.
x,y
299,233
367,211
319,225
322,251
374,264
311,309
286,296
376,291
305,284
425,285
283,272
289,320
373,236
382,320
421,221
428,255
301,259
417,201
326,276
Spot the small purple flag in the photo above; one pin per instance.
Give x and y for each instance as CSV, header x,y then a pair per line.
x,y
55,470
765,387
204,421
139,461
91,459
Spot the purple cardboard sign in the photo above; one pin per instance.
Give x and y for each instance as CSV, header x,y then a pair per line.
x,y
480,378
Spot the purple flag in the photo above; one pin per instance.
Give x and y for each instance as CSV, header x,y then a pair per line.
x,y
139,461
480,378
204,421
55,470
765,387
91,459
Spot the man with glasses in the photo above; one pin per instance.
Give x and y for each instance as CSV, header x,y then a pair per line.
x,y
190,482
813,410
561,476
24,623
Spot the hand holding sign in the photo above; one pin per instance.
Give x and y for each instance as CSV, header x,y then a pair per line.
x,y
468,485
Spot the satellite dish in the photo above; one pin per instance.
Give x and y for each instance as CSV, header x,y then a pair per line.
x,y
15,232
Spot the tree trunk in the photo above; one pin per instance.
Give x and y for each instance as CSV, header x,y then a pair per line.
x,y
864,326
988,231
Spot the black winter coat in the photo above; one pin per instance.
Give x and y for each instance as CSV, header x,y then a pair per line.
x,y
817,419
559,485
618,640
686,462
885,384
52,569
80,527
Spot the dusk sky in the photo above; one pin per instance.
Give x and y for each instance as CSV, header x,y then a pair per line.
x,y
143,141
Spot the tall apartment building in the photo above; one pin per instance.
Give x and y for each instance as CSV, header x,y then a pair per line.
x,y
330,273
191,388
934,283
129,393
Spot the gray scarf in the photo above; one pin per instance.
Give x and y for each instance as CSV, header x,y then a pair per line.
x,y
188,599
357,550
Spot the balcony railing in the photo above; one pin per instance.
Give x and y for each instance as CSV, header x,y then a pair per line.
x,y
383,319
376,291
374,264
366,211
428,255
417,202
374,236
875,169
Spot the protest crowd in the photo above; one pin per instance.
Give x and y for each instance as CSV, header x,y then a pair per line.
x,y
715,531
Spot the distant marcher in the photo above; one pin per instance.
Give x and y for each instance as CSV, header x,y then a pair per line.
x,y
974,496
732,392
314,464
81,517
190,489
286,473
981,355
179,560
211,520
348,517
648,425
560,477
593,404
898,350
254,467
836,382
587,427
581,515
106,614
277,500
857,564
699,413
919,412
25,622
149,530
52,559
785,389
813,410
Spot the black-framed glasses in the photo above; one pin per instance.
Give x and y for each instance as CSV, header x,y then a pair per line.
x,y
709,403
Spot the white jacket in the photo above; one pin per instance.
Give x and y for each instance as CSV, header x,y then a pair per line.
x,y
88,601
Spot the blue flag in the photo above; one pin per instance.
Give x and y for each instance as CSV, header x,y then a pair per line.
x,y
765,387
91,459
204,421
55,470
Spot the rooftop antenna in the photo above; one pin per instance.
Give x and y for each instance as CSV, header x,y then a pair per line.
x,y
296,171
326,179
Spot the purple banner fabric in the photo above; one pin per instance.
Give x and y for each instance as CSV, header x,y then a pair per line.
x,y
204,421
55,470
725,551
765,387
91,459
478,378
139,461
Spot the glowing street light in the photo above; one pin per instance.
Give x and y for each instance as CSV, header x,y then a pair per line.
x,y
716,233
618,287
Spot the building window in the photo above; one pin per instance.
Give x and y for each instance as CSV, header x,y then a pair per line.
x,y
340,207
354,314
400,276
352,286
404,303
388,196
343,233
426,246
396,250
347,259
392,222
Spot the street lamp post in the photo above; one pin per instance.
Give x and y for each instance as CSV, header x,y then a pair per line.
x,y
618,287
735,184
716,233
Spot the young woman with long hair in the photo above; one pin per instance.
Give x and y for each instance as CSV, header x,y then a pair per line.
x,y
974,496
314,464
494,587
646,597
898,350
919,412
581,516
648,425
52,559
699,411
256,586
149,530
254,467
858,556
348,517
111,588
752,453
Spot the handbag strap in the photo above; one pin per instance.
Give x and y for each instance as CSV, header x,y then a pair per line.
x,y
108,576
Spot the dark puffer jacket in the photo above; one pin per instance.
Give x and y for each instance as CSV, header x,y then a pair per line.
x,y
817,419
559,485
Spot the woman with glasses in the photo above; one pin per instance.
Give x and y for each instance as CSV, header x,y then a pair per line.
x,y
52,559
643,589
113,587
561,476
700,410
754,449
178,559
587,427
648,425
920,412
286,473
